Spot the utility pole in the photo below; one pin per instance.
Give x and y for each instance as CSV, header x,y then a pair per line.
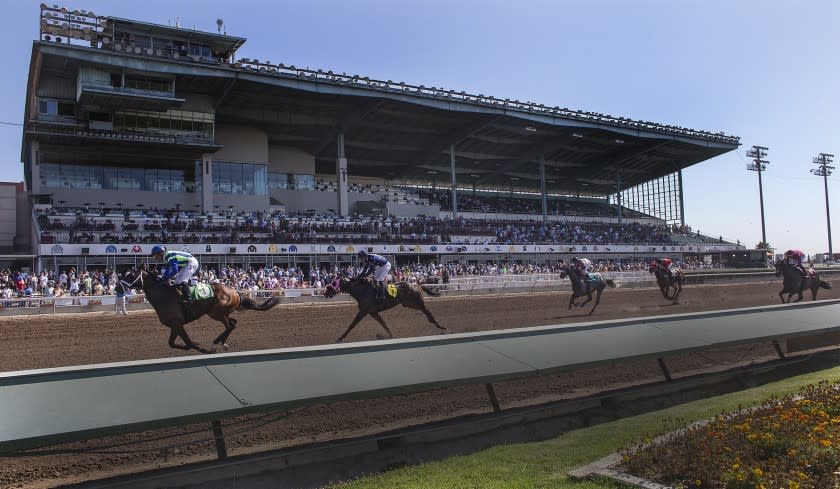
x,y
824,169
759,164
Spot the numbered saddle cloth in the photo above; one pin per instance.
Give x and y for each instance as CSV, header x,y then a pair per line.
x,y
392,290
201,291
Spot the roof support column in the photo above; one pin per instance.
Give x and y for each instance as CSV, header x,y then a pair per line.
x,y
544,196
207,182
454,183
35,166
341,175
618,194
682,203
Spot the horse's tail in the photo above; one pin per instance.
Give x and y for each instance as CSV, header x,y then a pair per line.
x,y
610,282
248,303
824,284
430,291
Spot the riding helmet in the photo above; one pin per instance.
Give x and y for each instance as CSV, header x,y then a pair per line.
x,y
158,249
363,252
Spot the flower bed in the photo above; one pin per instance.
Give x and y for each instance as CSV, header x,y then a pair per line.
x,y
791,442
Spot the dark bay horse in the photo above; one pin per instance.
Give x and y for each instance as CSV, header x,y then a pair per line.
x,y
668,282
166,301
409,295
793,283
597,286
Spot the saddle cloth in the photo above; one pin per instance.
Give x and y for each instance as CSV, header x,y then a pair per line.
x,y
392,290
591,277
201,291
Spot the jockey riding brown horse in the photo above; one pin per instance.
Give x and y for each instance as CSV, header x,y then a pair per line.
x,y
668,281
795,283
409,295
171,312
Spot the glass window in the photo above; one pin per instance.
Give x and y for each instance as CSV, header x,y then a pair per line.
x,y
305,182
278,180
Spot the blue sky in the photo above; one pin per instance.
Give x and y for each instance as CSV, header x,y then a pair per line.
x,y
766,71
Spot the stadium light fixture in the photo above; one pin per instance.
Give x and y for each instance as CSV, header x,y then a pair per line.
x,y
619,141
824,169
531,129
577,135
759,165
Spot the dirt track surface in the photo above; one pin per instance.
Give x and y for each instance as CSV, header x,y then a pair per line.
x,y
63,340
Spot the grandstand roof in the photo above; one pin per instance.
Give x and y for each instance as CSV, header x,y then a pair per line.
x,y
400,131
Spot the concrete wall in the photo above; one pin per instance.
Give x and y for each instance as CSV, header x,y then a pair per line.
x,y
410,210
128,198
290,160
241,143
239,202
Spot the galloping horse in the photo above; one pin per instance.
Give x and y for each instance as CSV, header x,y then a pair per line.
x,y
409,295
598,285
793,282
667,281
166,301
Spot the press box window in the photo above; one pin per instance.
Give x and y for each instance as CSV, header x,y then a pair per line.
x,y
54,107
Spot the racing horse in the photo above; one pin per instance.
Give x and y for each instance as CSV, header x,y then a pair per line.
x,y
793,283
363,290
668,282
597,285
171,312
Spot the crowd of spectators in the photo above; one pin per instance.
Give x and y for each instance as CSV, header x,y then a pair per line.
x,y
475,202
72,283
176,226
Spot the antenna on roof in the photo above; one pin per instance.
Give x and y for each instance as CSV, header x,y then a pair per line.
x,y
177,22
219,24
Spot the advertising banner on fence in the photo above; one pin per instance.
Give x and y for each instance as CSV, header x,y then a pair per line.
x,y
344,249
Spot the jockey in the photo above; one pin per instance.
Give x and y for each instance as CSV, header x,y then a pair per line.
x,y
582,266
178,264
794,257
380,265
664,264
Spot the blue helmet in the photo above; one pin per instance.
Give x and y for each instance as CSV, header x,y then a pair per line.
x,y
363,253
157,250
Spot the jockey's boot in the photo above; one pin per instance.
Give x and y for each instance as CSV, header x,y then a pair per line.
x,y
380,290
185,293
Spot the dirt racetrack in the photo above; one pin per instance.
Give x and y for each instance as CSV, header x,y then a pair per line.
x,y
62,340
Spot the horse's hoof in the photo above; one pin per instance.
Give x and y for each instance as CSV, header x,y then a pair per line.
x,y
339,340
225,346
380,337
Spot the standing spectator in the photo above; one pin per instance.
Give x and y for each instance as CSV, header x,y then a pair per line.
x,y
119,291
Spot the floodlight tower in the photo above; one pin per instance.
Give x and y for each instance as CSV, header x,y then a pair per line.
x,y
824,168
759,164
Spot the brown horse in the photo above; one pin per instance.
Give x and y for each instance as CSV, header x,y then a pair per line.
x,y
793,283
670,284
171,312
409,295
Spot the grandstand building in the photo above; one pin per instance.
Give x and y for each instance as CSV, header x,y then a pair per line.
x,y
137,133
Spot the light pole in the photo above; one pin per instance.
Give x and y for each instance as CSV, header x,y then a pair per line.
x,y
757,153
824,161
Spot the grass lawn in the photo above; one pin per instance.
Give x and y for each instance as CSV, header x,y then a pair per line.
x,y
545,464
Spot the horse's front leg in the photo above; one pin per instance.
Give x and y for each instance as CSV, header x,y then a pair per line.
x,y
375,315
588,298
356,320
571,301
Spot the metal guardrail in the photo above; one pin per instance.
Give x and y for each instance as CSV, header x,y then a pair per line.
x,y
48,406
